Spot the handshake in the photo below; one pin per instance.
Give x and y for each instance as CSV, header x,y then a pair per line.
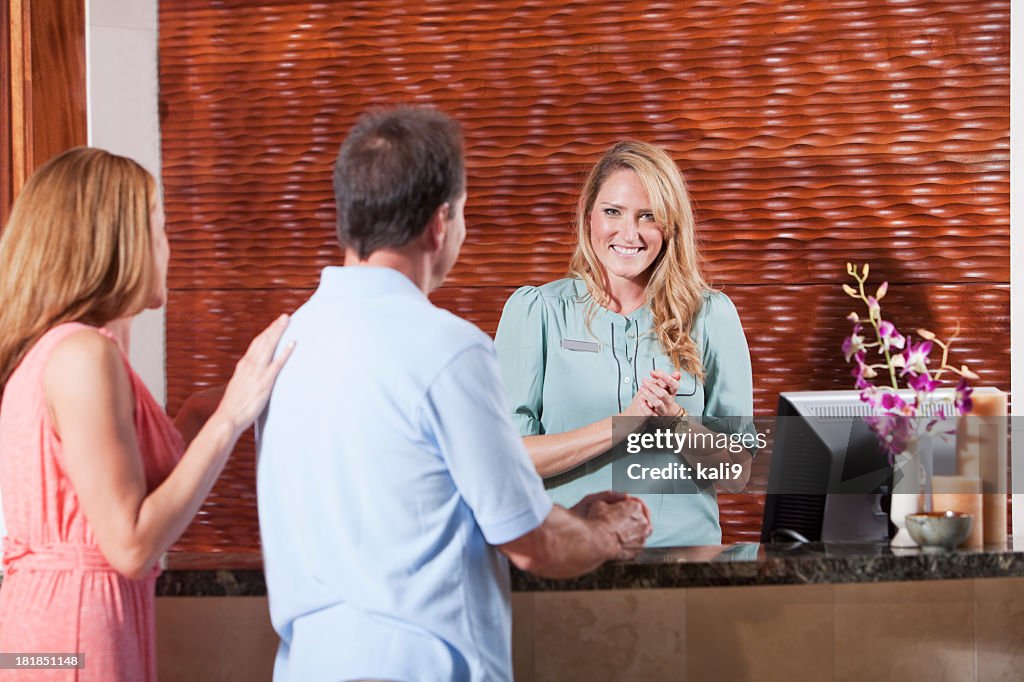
x,y
626,519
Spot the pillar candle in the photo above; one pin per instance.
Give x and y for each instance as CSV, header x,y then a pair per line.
x,y
961,494
968,447
981,452
988,402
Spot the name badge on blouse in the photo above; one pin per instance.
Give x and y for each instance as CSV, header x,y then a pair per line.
x,y
582,346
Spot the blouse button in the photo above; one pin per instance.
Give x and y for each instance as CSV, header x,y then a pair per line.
x,y
625,380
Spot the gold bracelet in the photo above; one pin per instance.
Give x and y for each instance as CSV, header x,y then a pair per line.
x,y
681,421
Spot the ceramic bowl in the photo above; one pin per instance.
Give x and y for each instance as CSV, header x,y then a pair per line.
x,y
939,530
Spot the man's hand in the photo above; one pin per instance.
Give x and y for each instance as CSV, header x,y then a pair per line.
x,y
582,508
571,542
628,519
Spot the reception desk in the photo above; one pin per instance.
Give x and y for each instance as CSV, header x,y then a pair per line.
x,y
812,612
746,612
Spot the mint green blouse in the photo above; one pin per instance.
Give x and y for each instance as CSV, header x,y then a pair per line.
x,y
561,376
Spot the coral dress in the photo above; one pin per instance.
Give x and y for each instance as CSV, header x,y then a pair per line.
x,y
59,594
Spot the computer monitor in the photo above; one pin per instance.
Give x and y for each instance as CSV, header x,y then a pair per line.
x,y
829,478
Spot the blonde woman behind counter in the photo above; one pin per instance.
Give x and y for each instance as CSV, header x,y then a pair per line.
x,y
633,331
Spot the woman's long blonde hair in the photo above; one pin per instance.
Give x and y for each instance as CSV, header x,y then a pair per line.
x,y
676,288
77,248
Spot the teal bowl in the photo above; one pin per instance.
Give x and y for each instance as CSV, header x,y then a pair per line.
x,y
939,530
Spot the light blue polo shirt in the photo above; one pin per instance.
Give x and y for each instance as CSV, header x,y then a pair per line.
x,y
387,471
562,373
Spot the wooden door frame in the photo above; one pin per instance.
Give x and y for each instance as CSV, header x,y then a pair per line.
x,y
6,124
43,93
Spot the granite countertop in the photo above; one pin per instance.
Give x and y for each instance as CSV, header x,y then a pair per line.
x,y
241,575
717,566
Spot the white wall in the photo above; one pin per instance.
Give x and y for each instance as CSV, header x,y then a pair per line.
x,y
123,118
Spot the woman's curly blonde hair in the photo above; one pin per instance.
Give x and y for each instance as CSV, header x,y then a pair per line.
x,y
676,287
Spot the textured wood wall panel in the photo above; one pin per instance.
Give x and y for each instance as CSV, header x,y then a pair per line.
x,y
810,134
793,331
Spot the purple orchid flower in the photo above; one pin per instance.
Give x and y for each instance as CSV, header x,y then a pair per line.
x,y
859,381
922,383
962,397
854,343
894,432
890,337
915,358
892,402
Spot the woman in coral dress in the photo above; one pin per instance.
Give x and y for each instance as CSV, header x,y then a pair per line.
x,y
97,481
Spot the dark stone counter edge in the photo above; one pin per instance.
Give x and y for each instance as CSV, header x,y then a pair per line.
x,y
802,571
795,570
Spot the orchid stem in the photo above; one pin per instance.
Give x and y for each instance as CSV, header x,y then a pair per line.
x,y
878,332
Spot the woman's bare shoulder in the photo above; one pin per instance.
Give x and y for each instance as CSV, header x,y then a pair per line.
x,y
84,356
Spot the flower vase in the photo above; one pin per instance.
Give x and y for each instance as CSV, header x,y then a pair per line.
x,y
912,492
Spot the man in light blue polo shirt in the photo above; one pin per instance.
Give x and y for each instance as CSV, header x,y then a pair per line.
x,y
391,483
